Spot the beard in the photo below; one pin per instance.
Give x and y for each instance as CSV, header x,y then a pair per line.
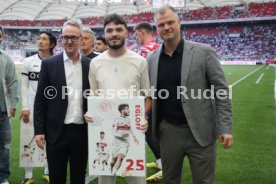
x,y
116,47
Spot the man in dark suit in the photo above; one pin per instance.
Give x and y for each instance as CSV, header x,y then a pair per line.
x,y
189,120
59,107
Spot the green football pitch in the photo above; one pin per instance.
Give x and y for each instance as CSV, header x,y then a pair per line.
x,y
252,159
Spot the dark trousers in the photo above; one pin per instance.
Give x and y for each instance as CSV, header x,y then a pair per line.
x,y
176,142
71,146
152,141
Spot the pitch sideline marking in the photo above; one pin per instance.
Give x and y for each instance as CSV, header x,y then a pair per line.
x,y
244,77
260,78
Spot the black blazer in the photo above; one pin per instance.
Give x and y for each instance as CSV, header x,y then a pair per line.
x,y
50,106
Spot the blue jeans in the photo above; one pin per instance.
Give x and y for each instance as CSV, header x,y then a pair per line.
x,y
5,146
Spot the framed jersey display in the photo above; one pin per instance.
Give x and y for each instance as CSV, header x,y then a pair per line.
x,y
116,143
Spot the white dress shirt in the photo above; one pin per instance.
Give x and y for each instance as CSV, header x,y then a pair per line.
x,y
73,75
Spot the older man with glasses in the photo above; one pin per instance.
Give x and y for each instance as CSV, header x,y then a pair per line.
x,y
59,107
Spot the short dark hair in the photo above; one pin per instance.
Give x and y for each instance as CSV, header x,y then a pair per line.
x,y
102,39
1,29
102,132
52,39
122,107
144,25
116,19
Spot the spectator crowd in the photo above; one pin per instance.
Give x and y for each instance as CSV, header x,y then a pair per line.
x,y
232,41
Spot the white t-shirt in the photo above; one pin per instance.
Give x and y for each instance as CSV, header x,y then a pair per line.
x,y
119,73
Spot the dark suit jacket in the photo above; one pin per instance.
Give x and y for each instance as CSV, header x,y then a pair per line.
x,y
49,113
200,70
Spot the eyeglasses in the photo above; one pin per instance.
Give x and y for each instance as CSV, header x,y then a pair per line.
x,y
72,38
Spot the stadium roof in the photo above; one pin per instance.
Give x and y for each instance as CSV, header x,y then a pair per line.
x,y
65,9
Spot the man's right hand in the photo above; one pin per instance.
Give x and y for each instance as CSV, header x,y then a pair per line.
x,y
40,141
88,118
25,114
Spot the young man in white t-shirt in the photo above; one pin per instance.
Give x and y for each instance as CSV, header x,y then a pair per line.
x,y
119,68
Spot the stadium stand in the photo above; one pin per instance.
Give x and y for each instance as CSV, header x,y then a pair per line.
x,y
237,32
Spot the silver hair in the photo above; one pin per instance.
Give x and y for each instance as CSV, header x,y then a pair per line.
x,y
88,30
73,22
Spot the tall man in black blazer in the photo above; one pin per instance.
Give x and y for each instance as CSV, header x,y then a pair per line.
x,y
190,119
59,107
